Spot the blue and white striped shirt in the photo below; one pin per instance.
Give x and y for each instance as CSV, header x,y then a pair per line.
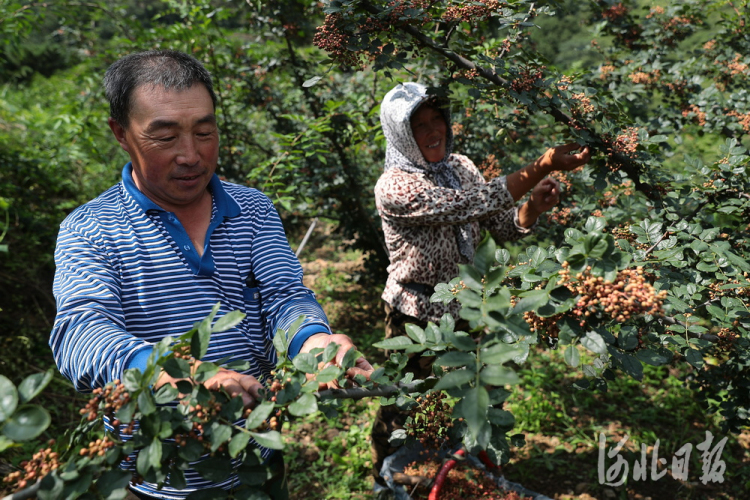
x,y
127,276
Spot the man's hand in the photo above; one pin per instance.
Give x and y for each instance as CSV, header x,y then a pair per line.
x,y
321,340
235,383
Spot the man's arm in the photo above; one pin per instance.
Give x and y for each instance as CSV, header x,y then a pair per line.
x,y
88,339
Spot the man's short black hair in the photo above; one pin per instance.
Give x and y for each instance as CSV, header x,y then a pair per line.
x,y
170,69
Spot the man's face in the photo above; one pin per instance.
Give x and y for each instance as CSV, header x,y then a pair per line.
x,y
173,143
430,132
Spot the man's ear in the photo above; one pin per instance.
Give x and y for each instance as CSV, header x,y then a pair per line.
x,y
119,133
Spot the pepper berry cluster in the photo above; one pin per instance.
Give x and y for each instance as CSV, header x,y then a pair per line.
x,y
430,420
97,448
108,399
526,79
42,463
627,296
473,13
336,33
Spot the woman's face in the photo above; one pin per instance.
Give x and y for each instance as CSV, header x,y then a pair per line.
x,y
430,131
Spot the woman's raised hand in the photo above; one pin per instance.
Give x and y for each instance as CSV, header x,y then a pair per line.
x,y
563,158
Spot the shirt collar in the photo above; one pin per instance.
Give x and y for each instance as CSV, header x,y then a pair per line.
x,y
226,206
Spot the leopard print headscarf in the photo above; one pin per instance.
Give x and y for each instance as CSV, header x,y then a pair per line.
x,y
403,152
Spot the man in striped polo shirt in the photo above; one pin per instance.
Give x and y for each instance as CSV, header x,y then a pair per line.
x,y
152,255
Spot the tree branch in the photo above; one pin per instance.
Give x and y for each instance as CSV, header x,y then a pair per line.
x,y
358,393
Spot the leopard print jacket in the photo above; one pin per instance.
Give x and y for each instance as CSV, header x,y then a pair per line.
x,y
418,218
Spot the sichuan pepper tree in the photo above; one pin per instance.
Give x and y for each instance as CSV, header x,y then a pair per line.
x,y
646,259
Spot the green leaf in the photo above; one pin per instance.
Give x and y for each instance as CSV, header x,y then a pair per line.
x,y
500,417
280,342
146,402
113,483
572,356
461,341
270,439
416,333
694,357
536,256
31,386
165,394
594,224
394,343
259,415
328,374
149,457
502,256
177,478
238,443
27,422
330,352
654,358
311,81
471,277
253,475
457,358
176,367
350,357
474,408
294,327
6,443
219,434
229,320
498,375
573,236
454,379
484,256
51,487
305,405
442,293
305,362
214,469
205,371
500,353
8,398
199,341
531,301
631,365
192,450
594,343
496,276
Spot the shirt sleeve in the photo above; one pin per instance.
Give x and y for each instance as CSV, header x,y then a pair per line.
x,y
88,339
412,199
279,274
505,226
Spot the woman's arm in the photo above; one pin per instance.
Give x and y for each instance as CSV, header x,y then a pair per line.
x,y
558,158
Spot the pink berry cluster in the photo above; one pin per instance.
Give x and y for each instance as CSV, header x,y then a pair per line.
x,y
335,34
630,294
525,81
42,463
473,13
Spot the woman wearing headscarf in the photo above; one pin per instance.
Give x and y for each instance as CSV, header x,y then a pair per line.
x,y
433,204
